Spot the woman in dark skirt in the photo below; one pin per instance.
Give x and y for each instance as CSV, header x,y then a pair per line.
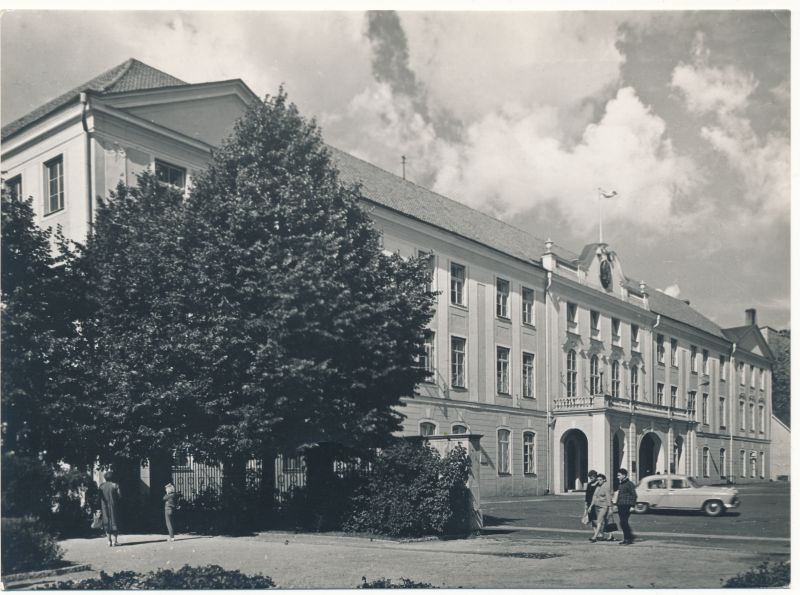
x,y
109,504
170,501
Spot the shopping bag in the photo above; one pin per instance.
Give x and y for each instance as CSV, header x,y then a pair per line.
x,y
585,517
97,520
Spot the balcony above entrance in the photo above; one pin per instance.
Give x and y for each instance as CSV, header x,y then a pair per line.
x,y
608,403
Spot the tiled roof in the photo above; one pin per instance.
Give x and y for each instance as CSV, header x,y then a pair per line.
x,y
131,75
677,309
405,197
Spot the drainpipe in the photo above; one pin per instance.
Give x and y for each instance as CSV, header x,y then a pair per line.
x,y
84,98
547,378
730,412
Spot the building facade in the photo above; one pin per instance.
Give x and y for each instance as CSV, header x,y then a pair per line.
x,y
556,359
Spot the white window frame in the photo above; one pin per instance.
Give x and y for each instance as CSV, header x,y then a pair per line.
x,y
163,165
594,322
572,374
693,358
459,425
752,416
762,463
673,353
743,463
506,378
635,330
705,362
615,379
430,284
428,423
595,376
463,385
660,393
722,463
742,415
691,402
58,163
529,452
572,315
673,396
528,307
502,298
528,375
660,354
762,426
634,387
723,412
14,186
762,378
723,368
504,452
704,409
706,462
429,357
616,331
454,288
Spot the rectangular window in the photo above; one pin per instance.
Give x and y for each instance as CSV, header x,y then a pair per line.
x,y
761,420
659,394
723,412
428,360
752,376
171,175
502,371
742,420
572,315
527,306
503,289
742,463
458,352
741,373
704,409
527,375
457,278
634,336
673,352
762,378
595,322
615,379
427,428
673,396
660,349
691,400
752,417
14,186
762,464
634,383
705,362
753,463
615,332
722,464
693,359
723,367
503,437
706,462
430,262
54,182
529,453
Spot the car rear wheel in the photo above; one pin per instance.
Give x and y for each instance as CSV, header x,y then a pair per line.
x,y
713,508
641,507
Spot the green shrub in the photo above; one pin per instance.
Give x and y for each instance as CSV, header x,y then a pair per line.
x,y
27,486
763,575
26,545
411,491
187,577
386,583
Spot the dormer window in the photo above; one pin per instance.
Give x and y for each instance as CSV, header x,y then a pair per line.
x,y
170,175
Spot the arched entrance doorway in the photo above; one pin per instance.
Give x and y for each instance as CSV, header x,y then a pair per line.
x,y
575,447
649,451
677,451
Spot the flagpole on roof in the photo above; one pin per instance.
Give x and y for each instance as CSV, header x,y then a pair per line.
x,y
601,194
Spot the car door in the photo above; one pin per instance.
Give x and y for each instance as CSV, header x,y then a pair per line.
x,y
678,494
655,492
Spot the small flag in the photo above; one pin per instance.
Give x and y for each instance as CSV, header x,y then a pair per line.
x,y
605,194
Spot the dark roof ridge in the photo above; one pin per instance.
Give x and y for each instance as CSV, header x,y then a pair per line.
x,y
461,204
123,71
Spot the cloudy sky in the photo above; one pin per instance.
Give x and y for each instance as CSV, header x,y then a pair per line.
x,y
520,114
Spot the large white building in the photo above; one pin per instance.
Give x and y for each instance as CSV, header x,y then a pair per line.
x,y
556,358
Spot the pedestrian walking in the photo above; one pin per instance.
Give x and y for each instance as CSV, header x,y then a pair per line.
x,y
626,500
601,503
590,488
170,502
109,504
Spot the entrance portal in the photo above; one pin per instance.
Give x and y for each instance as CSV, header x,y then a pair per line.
x,y
575,447
649,450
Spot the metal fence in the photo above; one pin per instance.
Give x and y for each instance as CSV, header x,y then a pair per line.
x,y
191,478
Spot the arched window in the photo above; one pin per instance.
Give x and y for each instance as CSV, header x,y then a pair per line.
x,y
594,376
427,428
634,383
572,374
615,380
460,429
503,438
529,453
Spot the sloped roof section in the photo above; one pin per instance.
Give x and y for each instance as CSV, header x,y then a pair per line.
x,y
131,75
749,335
677,309
397,194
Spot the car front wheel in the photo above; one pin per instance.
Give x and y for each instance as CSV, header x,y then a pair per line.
x,y
713,508
641,507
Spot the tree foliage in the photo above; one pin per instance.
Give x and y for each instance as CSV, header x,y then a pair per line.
x,y
40,297
257,313
781,376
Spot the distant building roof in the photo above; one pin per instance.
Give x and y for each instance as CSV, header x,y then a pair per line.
x,y
131,75
393,192
679,310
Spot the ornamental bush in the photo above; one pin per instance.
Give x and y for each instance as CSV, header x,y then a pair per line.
x,y
412,491
763,575
26,545
386,583
187,577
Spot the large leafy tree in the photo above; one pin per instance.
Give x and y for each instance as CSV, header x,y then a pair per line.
x,y
781,376
309,332
40,301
